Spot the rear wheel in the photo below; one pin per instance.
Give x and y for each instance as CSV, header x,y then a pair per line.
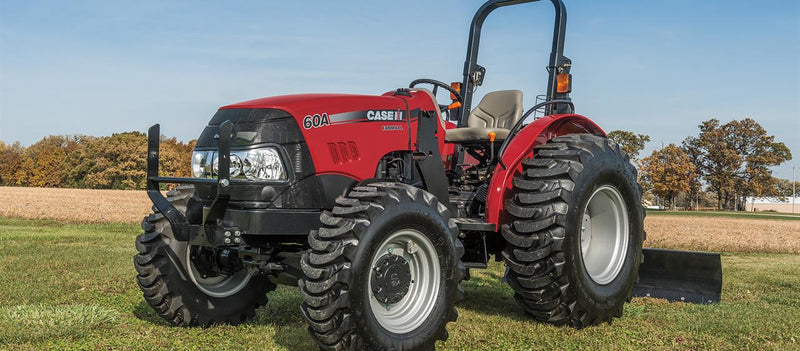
x,y
383,272
575,236
193,286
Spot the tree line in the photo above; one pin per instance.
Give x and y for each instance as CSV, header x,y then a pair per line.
x,y
118,161
722,165
730,161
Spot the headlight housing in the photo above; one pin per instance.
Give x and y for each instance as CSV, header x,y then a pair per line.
x,y
254,164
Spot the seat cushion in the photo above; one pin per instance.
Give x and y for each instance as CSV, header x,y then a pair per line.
x,y
461,135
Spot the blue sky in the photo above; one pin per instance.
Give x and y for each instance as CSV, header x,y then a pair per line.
x,y
653,67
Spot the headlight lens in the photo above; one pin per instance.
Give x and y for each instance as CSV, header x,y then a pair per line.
x,y
263,164
255,164
198,164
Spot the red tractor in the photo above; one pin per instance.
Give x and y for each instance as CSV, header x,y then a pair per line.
x,y
378,206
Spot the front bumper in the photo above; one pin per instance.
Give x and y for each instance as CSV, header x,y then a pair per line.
x,y
220,224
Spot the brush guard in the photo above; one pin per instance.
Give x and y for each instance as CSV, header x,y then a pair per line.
x,y
211,232
683,276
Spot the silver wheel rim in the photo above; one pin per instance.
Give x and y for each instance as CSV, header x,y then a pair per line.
x,y
415,307
219,286
604,234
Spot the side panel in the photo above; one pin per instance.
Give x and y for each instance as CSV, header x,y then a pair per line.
x,y
521,147
422,102
427,138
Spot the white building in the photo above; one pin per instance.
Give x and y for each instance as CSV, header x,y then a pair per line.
x,y
773,204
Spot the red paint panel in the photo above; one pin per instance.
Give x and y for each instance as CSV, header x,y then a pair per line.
x,y
521,147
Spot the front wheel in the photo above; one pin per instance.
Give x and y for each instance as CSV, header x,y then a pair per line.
x,y
182,285
574,242
383,272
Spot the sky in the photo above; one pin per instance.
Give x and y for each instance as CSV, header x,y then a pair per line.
x,y
652,67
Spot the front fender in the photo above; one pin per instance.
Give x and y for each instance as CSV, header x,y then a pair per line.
x,y
535,133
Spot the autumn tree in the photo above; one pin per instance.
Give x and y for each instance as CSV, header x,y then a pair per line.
x,y
115,162
668,172
176,157
43,163
120,162
11,157
735,159
630,142
783,188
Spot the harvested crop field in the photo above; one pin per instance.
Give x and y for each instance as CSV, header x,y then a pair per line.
x,y
723,234
704,231
75,205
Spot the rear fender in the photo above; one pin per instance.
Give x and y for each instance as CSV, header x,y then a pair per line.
x,y
521,147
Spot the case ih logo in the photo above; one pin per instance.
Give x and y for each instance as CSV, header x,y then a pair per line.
x,y
384,115
316,121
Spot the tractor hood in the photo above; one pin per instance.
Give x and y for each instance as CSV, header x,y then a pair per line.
x,y
301,105
321,139
343,134
285,119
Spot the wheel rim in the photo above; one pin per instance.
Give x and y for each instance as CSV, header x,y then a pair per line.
x,y
423,264
604,234
218,286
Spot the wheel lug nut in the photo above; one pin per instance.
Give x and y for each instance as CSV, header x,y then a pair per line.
x,y
227,233
411,247
237,240
227,240
237,233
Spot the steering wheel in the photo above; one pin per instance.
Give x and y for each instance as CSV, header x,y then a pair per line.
x,y
436,84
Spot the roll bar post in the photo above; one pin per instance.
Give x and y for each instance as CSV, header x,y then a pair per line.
x,y
473,73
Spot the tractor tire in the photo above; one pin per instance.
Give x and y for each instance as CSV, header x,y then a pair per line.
x,y
384,271
575,232
173,287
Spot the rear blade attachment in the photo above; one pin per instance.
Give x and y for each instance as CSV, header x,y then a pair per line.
x,y
685,276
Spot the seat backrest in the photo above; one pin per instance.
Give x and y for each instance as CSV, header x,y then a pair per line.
x,y
498,109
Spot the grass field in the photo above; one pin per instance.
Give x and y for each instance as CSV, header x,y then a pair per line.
x,y
72,286
68,283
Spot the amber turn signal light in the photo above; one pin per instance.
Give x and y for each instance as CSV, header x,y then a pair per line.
x,y
564,83
457,87
492,136
454,105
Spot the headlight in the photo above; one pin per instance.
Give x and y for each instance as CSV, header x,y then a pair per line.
x,y
255,164
198,163
263,164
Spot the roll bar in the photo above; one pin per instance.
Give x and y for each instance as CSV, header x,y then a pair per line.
x,y
473,73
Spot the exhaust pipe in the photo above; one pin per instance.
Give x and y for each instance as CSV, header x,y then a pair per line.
x,y
684,276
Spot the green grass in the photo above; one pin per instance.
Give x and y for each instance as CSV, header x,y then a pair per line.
x,y
728,214
71,286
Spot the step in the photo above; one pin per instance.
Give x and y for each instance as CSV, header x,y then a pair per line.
x,y
474,225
